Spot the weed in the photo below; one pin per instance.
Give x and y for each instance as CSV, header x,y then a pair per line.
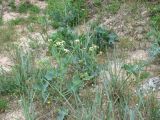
x,y
63,34
155,16
148,106
113,6
25,7
23,21
28,106
154,50
103,38
12,4
97,2
155,32
8,85
3,105
99,36
126,43
1,21
33,44
7,34
67,13
113,96
17,21
65,45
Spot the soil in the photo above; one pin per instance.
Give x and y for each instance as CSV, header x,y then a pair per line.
x,y
125,23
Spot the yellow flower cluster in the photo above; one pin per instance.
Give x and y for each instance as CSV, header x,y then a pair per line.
x,y
60,43
60,46
49,40
93,48
66,50
77,41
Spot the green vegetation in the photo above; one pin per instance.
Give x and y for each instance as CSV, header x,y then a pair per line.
x,y
25,7
1,21
68,81
113,6
100,37
3,105
66,13
103,37
8,85
7,34
155,16
75,73
24,21
11,3
155,32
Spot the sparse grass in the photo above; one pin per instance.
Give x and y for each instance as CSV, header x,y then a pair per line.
x,y
155,16
83,88
66,13
155,32
1,21
3,105
25,7
24,21
17,21
115,98
11,3
113,6
7,34
8,85
126,43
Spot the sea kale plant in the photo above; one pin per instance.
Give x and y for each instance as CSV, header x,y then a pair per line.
x,y
103,38
79,53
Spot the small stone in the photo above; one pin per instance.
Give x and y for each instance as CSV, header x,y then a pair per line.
x,y
144,13
139,30
152,84
139,36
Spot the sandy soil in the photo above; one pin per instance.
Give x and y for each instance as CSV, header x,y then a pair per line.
x,y
125,24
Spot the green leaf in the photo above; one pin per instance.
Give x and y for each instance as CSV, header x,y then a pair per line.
x,y
49,75
75,84
88,77
112,38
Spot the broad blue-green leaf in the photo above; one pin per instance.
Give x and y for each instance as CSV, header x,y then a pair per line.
x,y
62,113
49,75
112,38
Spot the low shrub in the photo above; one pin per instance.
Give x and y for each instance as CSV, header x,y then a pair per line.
x,y
8,85
3,105
7,34
103,38
113,6
69,12
155,16
11,4
154,50
63,34
24,21
25,7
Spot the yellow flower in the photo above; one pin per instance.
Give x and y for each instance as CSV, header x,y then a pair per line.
x,y
84,49
100,53
59,43
91,49
94,46
66,50
49,40
49,102
77,41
